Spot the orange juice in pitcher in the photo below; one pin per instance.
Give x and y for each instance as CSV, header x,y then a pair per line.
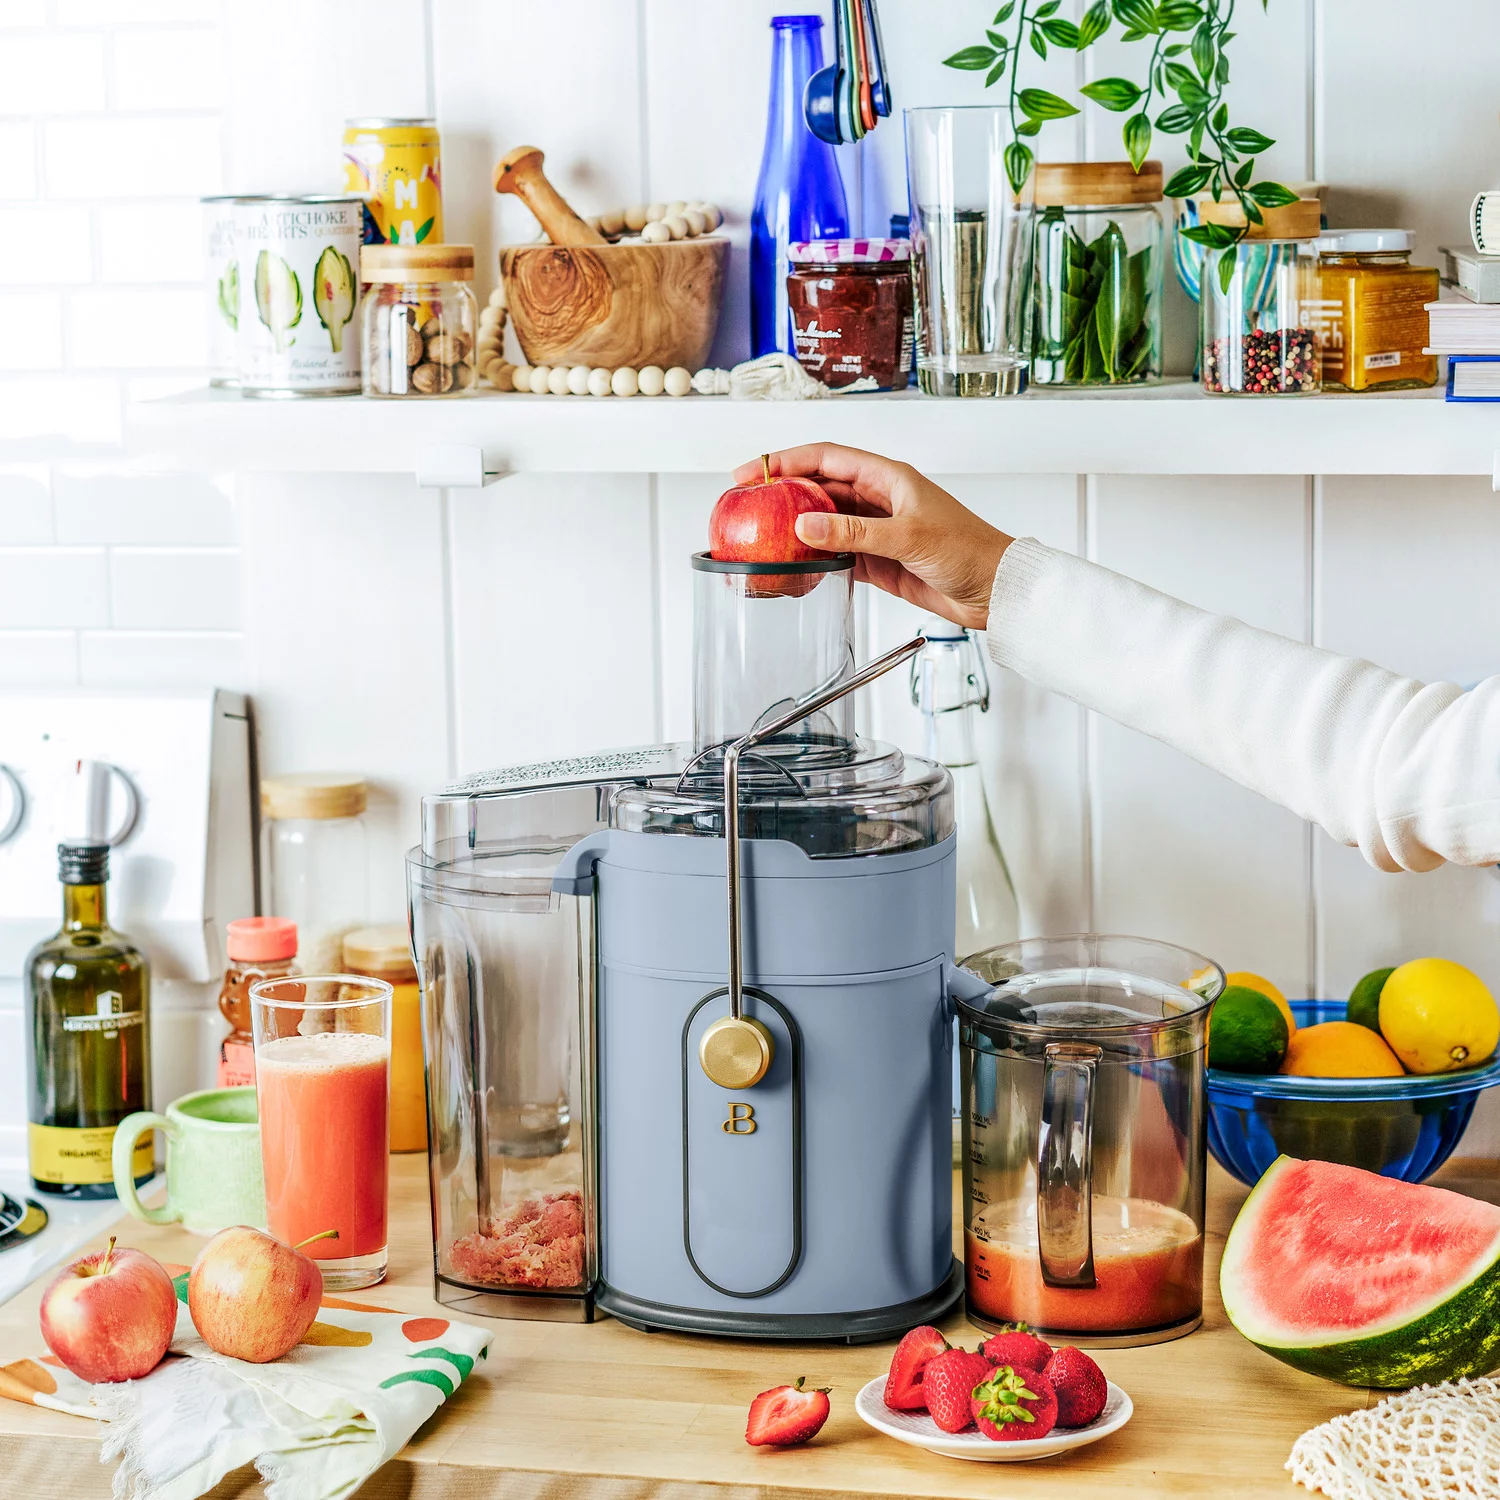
x,y
394,166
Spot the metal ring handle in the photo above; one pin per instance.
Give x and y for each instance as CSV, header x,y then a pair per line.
x,y
17,811
1065,1150
868,673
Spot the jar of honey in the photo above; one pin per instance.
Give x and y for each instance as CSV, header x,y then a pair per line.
x,y
851,307
384,952
1374,324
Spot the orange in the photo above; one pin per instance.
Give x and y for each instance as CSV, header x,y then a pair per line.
x,y
1249,981
1340,1049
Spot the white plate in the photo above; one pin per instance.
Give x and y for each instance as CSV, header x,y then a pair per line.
x,y
917,1428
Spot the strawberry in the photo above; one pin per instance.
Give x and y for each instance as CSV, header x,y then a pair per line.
x,y
1013,1405
903,1386
787,1415
948,1384
1080,1386
1017,1345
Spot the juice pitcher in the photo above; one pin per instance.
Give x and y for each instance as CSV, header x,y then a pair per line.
x,y
1084,1137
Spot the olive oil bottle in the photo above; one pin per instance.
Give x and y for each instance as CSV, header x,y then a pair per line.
x,y
87,1016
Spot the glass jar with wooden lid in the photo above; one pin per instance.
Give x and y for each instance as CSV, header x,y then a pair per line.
x,y
1097,272
1260,315
420,320
1375,306
384,952
315,861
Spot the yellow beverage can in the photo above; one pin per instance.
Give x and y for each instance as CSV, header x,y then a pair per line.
x,y
394,166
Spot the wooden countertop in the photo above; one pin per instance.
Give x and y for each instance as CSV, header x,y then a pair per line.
x,y
598,1412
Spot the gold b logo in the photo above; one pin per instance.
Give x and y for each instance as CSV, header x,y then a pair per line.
x,y
741,1120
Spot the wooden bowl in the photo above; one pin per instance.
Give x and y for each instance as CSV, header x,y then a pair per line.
x,y
613,305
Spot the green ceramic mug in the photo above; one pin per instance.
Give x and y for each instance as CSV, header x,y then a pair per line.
x,y
213,1161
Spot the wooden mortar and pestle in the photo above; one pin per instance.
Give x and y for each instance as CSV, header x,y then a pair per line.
x,y
583,301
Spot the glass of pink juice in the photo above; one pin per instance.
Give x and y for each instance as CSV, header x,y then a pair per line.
x,y
322,1079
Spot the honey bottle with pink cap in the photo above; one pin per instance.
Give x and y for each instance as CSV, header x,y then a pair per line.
x,y
258,948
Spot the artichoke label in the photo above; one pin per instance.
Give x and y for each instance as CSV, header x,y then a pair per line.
x,y
299,260
229,294
222,314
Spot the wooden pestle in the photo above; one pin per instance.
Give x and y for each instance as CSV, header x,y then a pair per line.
x,y
520,172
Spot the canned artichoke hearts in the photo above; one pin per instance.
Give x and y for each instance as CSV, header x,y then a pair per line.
x,y
299,288
222,270
394,166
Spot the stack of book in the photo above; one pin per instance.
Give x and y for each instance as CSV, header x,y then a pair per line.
x,y
1467,327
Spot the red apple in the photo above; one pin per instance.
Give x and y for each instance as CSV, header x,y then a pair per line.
x,y
110,1315
252,1297
758,523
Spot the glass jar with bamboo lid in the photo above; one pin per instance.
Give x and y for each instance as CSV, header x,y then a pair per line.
x,y
420,320
1097,272
1260,320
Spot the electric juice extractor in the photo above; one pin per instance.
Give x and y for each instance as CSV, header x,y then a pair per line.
x,y
689,1069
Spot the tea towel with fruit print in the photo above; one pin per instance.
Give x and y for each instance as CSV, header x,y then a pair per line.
x,y
316,1423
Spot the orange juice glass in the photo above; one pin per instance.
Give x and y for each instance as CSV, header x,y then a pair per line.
x,y
323,1079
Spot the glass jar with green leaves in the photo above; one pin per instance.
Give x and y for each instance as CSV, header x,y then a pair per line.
x,y
1097,273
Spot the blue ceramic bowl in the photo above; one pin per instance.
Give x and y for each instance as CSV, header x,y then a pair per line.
x,y
1399,1127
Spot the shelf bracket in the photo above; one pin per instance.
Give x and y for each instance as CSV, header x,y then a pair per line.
x,y
451,466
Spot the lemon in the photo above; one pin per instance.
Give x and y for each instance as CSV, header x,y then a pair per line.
x,y
1364,999
1438,1016
1249,981
1339,1049
1247,1033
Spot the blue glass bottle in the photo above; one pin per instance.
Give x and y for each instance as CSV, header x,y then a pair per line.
x,y
800,195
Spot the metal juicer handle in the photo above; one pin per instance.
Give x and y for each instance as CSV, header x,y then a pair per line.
x,y
868,673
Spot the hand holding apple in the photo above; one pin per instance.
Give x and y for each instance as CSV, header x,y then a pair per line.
x,y
757,522
251,1297
110,1315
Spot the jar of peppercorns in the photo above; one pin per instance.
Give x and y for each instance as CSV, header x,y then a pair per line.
x,y
1261,314
420,320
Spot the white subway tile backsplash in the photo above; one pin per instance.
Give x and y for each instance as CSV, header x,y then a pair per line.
x,y
174,588
18,152
31,336
142,509
25,507
79,408
45,246
155,242
132,158
53,587
55,74
18,13
38,658
167,69
136,329
162,659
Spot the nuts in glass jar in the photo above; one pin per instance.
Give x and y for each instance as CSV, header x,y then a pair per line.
x,y
420,320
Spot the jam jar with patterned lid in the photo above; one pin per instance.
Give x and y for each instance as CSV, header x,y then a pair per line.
x,y
851,306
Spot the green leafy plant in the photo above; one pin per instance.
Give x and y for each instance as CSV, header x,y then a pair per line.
x,y
1189,61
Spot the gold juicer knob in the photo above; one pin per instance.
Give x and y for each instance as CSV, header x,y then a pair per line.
x,y
736,1052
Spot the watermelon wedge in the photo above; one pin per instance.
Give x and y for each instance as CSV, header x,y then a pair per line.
x,y
1364,1279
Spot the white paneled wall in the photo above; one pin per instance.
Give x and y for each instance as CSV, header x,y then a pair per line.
x,y
415,635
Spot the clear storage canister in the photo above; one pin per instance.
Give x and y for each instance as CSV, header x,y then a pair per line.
x,y
1097,272
316,861
420,320
1259,329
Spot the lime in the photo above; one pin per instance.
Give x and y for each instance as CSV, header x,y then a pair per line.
x,y
1247,1033
1438,1016
1246,980
1364,999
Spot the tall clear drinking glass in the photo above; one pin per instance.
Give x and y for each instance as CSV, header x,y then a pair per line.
x,y
971,253
322,1081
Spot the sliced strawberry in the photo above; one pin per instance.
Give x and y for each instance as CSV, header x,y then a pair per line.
x,y
948,1384
1017,1345
787,1415
1013,1405
903,1386
1080,1385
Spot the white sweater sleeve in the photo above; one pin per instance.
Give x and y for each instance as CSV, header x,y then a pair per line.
x,y
1410,773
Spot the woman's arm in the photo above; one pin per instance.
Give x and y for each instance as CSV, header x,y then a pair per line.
x,y
1409,773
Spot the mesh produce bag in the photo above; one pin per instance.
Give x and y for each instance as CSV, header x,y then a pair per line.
x,y
1437,1442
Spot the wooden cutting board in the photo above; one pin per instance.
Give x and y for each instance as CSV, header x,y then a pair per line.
x,y
598,1412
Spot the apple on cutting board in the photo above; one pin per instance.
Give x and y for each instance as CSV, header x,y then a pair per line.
x,y
758,523
110,1315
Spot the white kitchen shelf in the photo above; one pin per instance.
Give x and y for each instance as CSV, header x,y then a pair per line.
x,y
1168,429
